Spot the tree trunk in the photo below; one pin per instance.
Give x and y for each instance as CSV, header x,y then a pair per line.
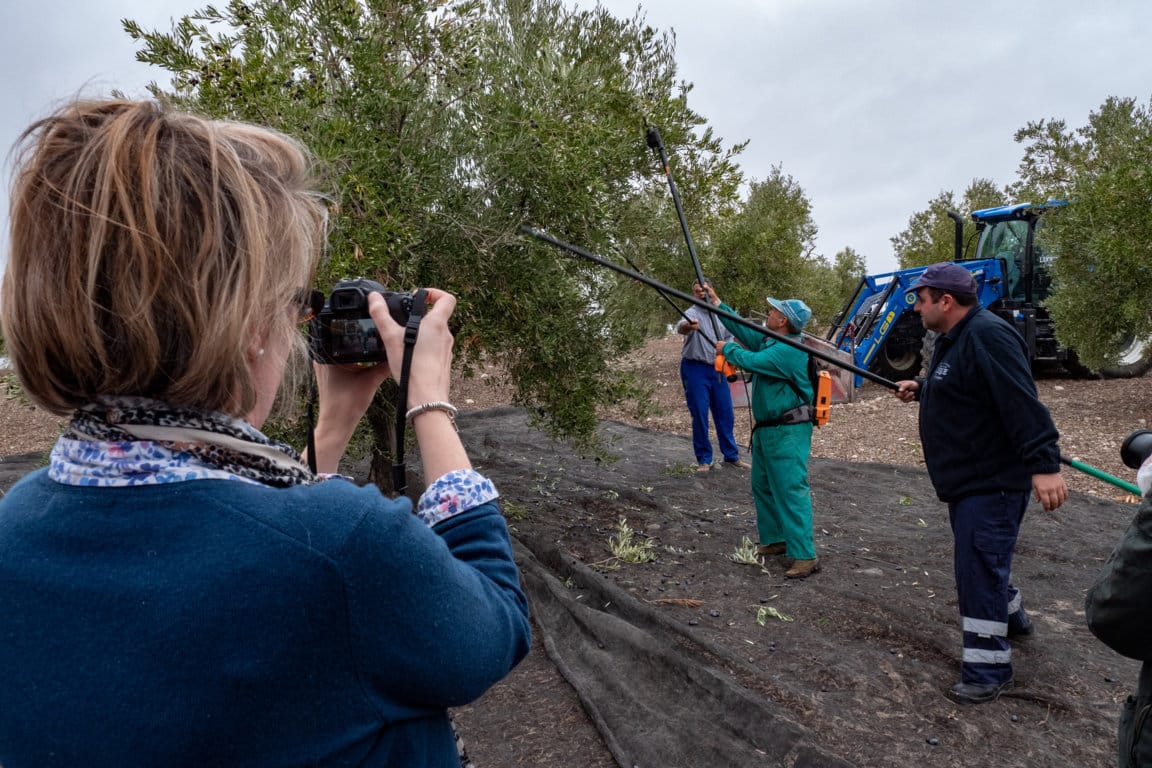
x,y
381,417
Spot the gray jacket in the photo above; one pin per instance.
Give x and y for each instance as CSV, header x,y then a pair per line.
x,y
701,345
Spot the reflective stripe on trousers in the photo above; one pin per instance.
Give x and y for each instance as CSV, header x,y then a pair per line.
x,y
985,528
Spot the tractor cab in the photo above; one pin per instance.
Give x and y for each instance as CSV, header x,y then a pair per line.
x,y
1008,233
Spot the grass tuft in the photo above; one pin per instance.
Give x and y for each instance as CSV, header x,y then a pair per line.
x,y
745,554
626,547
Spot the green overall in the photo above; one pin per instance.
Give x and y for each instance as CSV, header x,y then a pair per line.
x,y
779,453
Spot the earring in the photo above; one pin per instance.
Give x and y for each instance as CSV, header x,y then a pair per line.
x,y
260,352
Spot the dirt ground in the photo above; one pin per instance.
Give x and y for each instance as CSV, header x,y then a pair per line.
x,y
694,659
862,653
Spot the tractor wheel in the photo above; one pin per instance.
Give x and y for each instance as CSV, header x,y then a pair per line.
x,y
1134,360
899,357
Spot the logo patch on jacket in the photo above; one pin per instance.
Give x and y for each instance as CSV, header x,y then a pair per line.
x,y
941,371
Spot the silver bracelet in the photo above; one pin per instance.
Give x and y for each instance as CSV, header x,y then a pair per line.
x,y
435,405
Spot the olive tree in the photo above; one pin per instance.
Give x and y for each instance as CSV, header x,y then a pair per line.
x,y
766,247
1102,241
930,236
441,129
832,285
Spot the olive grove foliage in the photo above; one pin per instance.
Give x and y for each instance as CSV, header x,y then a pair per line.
x,y
1103,240
765,248
835,284
441,128
930,236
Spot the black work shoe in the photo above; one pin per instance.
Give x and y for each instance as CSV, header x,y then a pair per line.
x,y
977,693
1019,625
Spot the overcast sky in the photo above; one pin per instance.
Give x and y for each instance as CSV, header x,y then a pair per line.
x,y
873,107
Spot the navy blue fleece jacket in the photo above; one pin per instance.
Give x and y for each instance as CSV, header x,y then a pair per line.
x,y
222,623
982,426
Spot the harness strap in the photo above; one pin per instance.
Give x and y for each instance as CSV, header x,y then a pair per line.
x,y
801,414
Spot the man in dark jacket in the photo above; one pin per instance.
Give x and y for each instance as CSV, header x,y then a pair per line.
x,y
1119,612
988,443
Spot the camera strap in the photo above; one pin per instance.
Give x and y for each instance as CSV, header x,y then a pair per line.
x,y
311,416
415,315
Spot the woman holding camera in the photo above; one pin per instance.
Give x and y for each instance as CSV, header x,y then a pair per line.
x,y
176,588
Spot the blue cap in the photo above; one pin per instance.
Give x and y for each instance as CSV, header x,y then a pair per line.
x,y
948,277
797,312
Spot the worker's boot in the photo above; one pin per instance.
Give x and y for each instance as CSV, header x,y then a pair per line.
x,y
1019,625
771,550
802,569
978,693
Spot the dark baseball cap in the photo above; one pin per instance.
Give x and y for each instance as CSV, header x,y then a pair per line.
x,y
948,277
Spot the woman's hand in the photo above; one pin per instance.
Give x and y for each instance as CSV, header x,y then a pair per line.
x,y
429,378
431,370
344,393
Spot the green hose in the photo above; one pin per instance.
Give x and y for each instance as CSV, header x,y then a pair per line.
x,y
1101,475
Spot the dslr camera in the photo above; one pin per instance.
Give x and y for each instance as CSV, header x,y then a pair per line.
x,y
343,331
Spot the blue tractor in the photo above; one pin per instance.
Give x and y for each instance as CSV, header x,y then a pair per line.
x,y
1013,278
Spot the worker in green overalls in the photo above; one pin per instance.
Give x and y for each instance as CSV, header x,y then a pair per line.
x,y
782,437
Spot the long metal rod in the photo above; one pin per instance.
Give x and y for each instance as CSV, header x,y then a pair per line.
x,y
656,143
716,312
671,303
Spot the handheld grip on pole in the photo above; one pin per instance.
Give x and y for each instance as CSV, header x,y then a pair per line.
x,y
723,366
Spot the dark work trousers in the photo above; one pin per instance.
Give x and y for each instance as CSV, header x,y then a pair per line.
x,y
706,389
985,528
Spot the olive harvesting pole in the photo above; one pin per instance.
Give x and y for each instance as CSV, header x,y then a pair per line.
x,y
717,312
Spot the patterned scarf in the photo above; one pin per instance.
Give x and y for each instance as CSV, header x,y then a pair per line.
x,y
137,440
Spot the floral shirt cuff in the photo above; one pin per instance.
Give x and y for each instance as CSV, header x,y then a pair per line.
x,y
324,476
455,492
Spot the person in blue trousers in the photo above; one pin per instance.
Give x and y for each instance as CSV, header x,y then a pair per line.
x,y
989,443
706,389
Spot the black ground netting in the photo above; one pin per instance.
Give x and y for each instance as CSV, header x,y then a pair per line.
x,y
651,692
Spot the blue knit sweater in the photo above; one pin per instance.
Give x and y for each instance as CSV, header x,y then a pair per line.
x,y
213,623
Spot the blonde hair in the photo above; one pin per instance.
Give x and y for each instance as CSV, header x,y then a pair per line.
x,y
151,250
